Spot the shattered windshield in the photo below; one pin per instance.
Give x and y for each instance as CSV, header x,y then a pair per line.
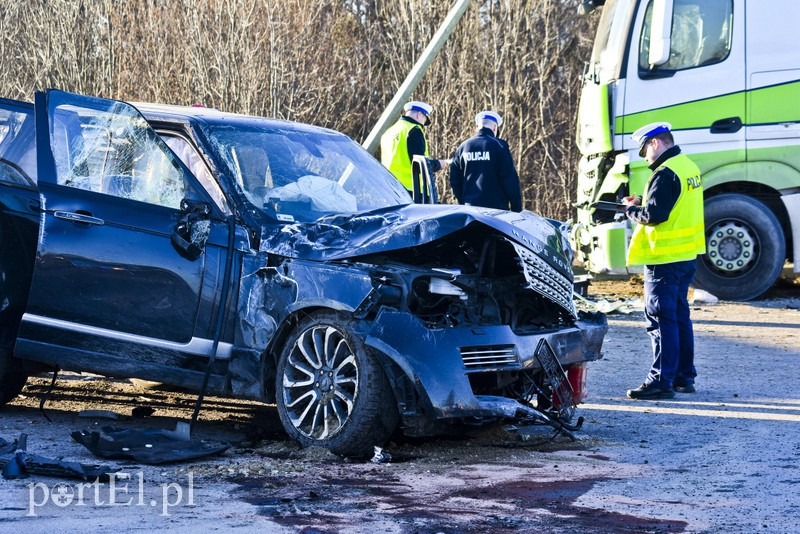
x,y
299,174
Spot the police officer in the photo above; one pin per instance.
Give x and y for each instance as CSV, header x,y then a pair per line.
x,y
668,236
482,172
406,139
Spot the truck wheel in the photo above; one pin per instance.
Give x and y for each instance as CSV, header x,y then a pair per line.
x,y
12,379
745,248
331,390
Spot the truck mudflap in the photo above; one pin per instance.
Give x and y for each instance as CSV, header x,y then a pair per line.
x,y
445,364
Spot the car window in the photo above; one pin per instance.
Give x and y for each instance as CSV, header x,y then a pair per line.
x,y
17,146
701,34
189,156
114,152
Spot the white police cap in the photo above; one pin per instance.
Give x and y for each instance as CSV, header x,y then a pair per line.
x,y
647,132
488,114
416,105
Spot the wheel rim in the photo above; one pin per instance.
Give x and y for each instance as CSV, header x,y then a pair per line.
x,y
731,247
320,382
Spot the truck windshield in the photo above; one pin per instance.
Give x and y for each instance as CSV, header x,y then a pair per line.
x,y
612,36
303,174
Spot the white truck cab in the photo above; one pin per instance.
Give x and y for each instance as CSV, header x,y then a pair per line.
x,y
726,75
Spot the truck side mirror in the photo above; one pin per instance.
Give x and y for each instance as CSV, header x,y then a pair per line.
x,y
190,234
660,33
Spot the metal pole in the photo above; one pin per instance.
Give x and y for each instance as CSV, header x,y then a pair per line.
x,y
417,72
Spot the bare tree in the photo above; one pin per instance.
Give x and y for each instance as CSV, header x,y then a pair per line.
x,y
334,63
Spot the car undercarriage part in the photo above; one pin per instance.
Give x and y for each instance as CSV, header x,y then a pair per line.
x,y
151,447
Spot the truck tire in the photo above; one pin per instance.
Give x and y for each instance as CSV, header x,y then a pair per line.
x,y
12,379
745,248
331,390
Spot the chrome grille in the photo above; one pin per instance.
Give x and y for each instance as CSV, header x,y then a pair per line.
x,y
544,279
489,357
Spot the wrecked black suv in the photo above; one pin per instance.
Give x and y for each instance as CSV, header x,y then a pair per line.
x,y
165,243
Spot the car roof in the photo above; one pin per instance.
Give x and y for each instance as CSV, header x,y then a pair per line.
x,y
168,112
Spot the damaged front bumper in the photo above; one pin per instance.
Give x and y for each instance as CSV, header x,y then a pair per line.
x,y
445,365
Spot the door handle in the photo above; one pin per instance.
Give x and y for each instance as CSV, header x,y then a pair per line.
x,y
729,125
78,217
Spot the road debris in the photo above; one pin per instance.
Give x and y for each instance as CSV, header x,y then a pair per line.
x,y
623,306
140,412
16,462
700,296
151,447
380,456
101,414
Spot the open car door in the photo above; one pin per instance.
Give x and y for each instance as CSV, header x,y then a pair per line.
x,y
111,290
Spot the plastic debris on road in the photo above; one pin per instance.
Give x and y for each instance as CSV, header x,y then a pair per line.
x,y
608,307
381,456
700,296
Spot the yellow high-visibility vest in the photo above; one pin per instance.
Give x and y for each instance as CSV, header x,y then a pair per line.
x,y
394,151
681,237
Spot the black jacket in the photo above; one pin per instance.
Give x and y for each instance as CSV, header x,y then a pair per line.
x,y
663,190
416,146
483,173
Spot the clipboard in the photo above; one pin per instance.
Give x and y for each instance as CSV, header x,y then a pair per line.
x,y
602,205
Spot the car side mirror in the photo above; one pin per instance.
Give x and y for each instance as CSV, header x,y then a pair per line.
x,y
191,232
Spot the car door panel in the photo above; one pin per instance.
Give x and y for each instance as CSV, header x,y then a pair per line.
x,y
107,278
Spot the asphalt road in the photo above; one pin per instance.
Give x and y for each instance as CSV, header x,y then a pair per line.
x,y
724,459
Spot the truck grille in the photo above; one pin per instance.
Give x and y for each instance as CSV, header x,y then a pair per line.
x,y
545,280
489,357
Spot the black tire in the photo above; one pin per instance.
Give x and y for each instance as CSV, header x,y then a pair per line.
x,y
745,248
347,406
12,379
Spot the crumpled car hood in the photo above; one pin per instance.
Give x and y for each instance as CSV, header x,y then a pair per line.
x,y
347,236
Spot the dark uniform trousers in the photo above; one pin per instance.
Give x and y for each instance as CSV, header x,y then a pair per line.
x,y
670,328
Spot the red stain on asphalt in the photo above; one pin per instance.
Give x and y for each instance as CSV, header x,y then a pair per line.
x,y
329,504
559,497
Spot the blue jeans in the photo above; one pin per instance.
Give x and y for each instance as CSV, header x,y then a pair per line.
x,y
666,288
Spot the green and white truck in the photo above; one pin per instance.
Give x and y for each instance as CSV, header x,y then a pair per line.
x,y
726,75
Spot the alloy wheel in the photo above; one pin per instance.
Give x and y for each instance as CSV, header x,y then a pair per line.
x,y
320,382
